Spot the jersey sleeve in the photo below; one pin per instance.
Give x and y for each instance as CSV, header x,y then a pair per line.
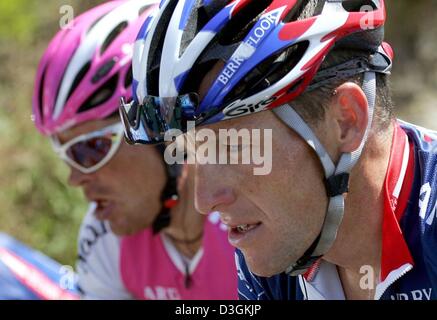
x,y
98,264
428,211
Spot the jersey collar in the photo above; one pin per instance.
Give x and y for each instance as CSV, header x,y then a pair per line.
x,y
396,258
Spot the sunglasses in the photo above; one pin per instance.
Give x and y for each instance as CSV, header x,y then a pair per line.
x,y
149,122
91,151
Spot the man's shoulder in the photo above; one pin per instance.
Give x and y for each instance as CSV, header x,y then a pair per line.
x,y
98,263
424,189
95,239
93,230
424,139
420,218
253,287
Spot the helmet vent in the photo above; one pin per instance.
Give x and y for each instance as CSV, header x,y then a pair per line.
x,y
143,9
269,72
128,78
304,9
155,51
295,86
79,77
211,8
244,20
198,19
192,82
358,5
102,95
103,71
40,94
113,35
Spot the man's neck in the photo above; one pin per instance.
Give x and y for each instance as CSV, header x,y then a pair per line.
x,y
186,226
357,250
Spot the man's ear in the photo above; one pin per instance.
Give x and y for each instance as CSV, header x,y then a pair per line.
x,y
349,108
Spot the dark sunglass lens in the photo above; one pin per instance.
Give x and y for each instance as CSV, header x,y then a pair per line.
x,y
90,152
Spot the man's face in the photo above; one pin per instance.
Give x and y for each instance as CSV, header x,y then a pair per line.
x,y
127,189
284,210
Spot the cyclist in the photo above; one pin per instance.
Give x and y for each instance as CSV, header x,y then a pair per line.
x,y
142,237
27,274
349,206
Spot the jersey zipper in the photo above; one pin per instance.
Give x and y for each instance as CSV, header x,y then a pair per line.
x,y
403,273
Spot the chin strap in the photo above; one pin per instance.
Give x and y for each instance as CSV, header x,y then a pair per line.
x,y
169,195
336,177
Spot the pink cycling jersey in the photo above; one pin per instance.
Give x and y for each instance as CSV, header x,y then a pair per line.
x,y
147,266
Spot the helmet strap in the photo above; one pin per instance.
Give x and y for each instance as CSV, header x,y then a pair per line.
x,y
336,177
169,195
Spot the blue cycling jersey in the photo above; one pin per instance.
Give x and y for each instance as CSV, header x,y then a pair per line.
x,y
409,248
26,274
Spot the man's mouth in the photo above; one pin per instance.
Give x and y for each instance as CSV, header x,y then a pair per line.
x,y
242,228
101,204
243,235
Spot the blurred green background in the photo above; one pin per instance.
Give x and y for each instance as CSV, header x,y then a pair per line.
x,y
38,208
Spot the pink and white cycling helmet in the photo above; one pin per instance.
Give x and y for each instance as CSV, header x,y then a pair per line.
x,y
87,66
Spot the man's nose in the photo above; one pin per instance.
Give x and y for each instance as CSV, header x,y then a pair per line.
x,y
211,189
77,178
